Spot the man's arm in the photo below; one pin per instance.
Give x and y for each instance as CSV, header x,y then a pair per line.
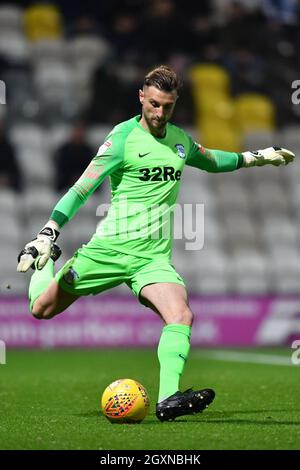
x,y
218,161
108,159
100,167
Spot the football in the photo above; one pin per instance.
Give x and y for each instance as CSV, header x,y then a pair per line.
x,y
125,401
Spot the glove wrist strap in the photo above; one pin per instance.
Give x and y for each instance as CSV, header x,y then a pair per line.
x,y
249,159
49,232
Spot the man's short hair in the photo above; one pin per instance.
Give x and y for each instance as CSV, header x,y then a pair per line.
x,y
163,78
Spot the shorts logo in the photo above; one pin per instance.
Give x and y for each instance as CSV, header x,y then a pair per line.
x,y
180,150
103,148
70,276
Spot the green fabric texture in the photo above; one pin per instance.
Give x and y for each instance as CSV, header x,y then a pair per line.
x,y
40,280
66,207
213,161
173,351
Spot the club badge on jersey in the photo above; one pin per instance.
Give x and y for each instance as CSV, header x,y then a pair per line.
x,y
180,150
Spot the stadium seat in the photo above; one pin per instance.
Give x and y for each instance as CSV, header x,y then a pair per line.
x,y
10,229
57,91
42,22
212,268
214,107
9,253
36,166
249,273
23,105
295,198
232,194
88,51
285,270
290,136
54,79
255,140
30,136
239,229
48,50
279,231
254,112
38,201
11,18
216,135
209,78
14,47
8,201
270,196
213,230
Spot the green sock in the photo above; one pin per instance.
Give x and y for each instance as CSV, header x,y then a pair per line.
x,y
40,280
173,351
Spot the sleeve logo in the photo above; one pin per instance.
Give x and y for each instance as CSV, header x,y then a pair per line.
x,y
103,148
200,148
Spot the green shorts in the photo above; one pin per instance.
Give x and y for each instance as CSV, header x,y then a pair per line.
x,y
95,268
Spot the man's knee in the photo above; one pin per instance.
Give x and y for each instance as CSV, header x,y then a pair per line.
x,y
183,316
42,312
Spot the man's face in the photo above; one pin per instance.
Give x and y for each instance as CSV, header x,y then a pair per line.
x,y
158,107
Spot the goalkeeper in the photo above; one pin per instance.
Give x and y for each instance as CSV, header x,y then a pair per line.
x,y
144,157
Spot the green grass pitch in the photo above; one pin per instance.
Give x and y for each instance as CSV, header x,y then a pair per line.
x,y
51,400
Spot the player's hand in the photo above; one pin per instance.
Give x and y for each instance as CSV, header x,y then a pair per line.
x,y
38,249
270,156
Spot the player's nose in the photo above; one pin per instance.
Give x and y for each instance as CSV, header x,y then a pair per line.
x,y
160,113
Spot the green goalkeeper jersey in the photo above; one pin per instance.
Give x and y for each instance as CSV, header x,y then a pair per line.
x,y
145,174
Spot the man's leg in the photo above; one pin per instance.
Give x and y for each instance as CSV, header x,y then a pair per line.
x,y
170,301
47,298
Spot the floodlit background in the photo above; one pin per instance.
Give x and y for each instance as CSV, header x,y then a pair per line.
x,y
72,71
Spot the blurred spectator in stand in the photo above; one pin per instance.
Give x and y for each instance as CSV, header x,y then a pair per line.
x,y
10,174
83,25
247,70
125,35
114,96
104,96
185,113
72,158
281,11
163,32
202,32
243,28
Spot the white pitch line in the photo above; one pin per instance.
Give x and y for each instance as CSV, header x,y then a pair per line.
x,y
249,357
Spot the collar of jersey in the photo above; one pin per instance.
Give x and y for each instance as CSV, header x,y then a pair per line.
x,y
139,117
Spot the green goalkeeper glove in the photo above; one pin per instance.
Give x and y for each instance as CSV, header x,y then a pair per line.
x,y
40,249
270,156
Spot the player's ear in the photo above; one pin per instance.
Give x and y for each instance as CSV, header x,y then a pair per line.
x,y
141,96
